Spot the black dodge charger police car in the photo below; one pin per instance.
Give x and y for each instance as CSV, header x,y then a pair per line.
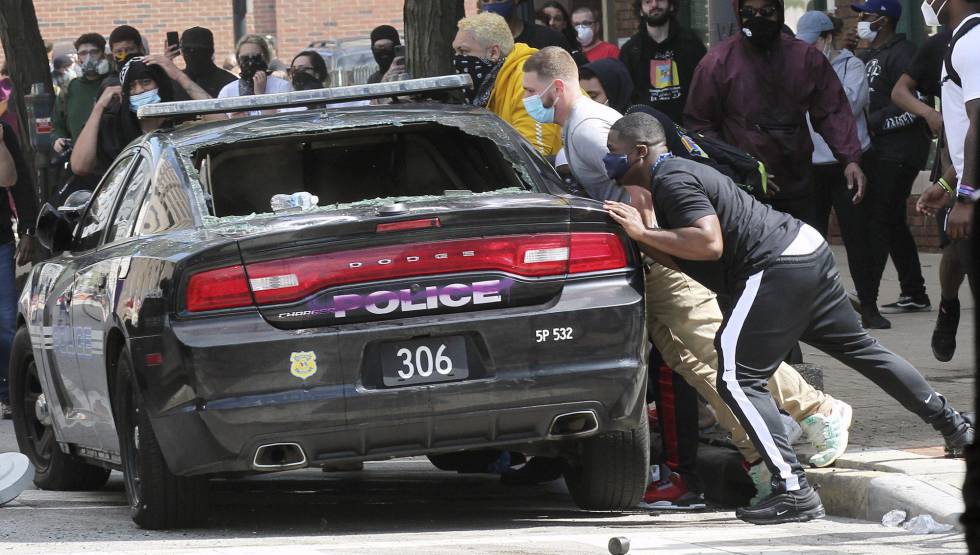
x,y
423,285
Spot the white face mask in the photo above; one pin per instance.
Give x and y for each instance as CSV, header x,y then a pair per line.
x,y
585,34
865,32
930,15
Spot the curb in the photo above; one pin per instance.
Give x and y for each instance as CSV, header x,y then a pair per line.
x,y
862,485
866,485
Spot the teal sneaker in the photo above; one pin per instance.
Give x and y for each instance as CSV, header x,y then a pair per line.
x,y
828,434
762,479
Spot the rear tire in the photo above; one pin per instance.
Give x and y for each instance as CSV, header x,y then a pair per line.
x,y
611,472
158,500
53,469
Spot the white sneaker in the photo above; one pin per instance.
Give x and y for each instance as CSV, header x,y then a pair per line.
x,y
829,434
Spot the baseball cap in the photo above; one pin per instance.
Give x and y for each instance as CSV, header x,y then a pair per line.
x,y
891,8
811,25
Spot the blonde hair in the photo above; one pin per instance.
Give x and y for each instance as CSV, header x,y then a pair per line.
x,y
489,29
257,40
553,62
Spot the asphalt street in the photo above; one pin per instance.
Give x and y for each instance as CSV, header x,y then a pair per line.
x,y
409,507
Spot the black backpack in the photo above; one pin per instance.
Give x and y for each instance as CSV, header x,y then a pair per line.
x,y
747,171
951,74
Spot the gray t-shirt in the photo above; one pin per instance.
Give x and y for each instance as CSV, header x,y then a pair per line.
x,y
584,136
754,234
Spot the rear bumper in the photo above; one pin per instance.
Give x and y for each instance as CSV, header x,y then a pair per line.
x,y
229,388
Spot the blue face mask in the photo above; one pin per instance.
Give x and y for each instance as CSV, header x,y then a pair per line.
x,y
616,165
151,96
535,108
503,9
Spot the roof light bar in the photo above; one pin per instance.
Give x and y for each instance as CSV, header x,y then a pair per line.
x,y
306,98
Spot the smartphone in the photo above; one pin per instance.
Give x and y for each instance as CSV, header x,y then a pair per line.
x,y
173,39
400,51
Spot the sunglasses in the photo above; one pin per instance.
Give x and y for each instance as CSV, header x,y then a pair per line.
x,y
766,11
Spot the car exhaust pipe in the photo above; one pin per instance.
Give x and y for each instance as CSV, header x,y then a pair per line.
x,y
279,456
574,424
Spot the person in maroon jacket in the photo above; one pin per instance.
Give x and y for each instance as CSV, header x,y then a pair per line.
x,y
754,89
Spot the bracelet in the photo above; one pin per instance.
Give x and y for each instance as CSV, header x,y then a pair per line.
x,y
965,190
946,186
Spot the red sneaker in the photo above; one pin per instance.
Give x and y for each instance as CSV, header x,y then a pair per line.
x,y
671,494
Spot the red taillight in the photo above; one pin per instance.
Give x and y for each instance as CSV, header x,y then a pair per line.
x,y
593,252
218,289
288,280
408,224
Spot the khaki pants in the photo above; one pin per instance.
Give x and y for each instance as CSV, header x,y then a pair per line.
x,y
682,318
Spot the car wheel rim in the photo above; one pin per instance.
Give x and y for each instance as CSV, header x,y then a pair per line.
x,y
134,482
40,435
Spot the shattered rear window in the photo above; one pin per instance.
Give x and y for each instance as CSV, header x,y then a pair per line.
x,y
349,166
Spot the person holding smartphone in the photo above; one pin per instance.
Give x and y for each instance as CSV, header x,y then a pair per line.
x,y
196,46
254,55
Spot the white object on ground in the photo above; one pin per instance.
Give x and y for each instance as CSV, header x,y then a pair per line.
x,y
925,524
894,518
16,475
619,545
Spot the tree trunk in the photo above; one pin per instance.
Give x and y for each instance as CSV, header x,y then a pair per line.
x,y
27,63
430,27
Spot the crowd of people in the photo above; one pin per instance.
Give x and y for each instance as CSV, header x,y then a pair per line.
x,y
722,164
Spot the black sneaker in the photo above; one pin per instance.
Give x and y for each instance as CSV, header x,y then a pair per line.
x,y
871,319
961,436
789,506
944,336
538,470
918,303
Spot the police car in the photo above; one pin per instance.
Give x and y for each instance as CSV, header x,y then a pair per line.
x,y
324,286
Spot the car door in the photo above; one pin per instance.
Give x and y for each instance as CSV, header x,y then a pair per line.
x,y
73,344
101,279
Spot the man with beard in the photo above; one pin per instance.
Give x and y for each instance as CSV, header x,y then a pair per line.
x,y
197,49
754,89
661,57
485,50
384,39
81,93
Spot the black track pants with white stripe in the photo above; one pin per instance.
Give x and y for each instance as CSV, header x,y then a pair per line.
x,y
801,298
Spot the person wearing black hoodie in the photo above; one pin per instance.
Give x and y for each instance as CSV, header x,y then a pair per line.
x,y
384,39
901,141
607,81
661,58
197,49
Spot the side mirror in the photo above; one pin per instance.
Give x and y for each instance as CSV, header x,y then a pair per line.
x,y
56,226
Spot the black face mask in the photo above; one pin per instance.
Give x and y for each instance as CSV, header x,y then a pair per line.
x,y
384,57
761,32
198,60
303,81
477,68
251,65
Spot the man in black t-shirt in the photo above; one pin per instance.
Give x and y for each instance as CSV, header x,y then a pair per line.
x,y
197,49
784,287
531,34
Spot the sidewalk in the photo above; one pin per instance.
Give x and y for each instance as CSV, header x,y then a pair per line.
x,y
894,460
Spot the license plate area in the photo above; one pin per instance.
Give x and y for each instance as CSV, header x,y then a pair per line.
x,y
424,361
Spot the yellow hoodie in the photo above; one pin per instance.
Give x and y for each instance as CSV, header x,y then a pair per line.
x,y
507,101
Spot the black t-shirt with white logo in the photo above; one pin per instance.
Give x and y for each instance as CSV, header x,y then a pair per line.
x,y
754,234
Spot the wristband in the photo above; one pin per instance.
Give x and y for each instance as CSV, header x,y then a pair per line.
x,y
965,191
946,186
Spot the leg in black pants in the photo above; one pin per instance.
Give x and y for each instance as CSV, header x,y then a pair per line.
x,y
762,326
889,229
831,191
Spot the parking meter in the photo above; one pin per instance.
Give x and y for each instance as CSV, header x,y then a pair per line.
x,y
39,111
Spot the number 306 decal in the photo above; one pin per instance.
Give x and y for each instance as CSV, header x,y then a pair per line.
x,y
423,362
554,334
